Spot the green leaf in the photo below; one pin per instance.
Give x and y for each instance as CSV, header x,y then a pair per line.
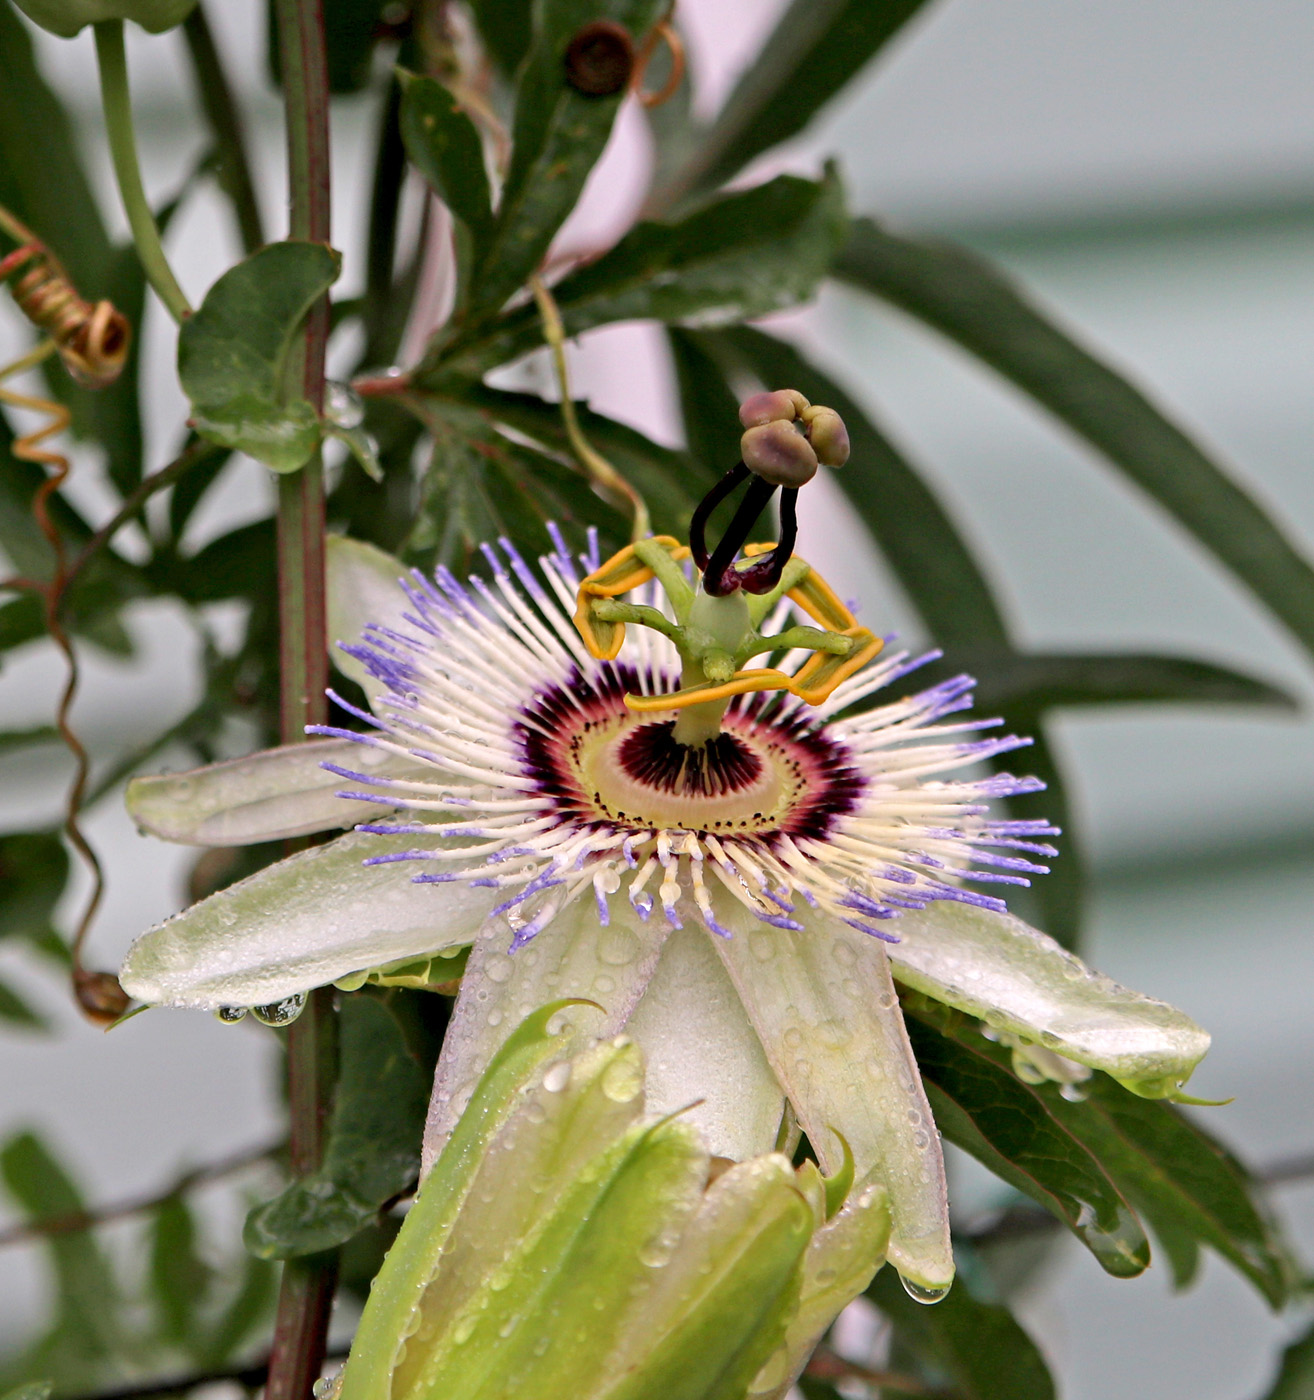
x,y
980,1346
1171,1170
816,48
671,482
251,1305
232,353
17,1012
33,873
13,739
444,146
480,486
87,1301
708,405
558,134
179,1279
373,1151
507,29
42,182
984,312
742,255
239,564
1034,682
33,1390
982,1107
1295,1377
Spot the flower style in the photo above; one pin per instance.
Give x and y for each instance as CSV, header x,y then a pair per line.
x,y
733,865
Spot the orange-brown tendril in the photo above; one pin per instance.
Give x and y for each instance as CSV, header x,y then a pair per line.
x,y
92,341
663,30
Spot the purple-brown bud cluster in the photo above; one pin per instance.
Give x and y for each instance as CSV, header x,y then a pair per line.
x,y
786,438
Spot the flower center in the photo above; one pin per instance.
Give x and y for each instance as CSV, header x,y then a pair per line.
x,y
638,775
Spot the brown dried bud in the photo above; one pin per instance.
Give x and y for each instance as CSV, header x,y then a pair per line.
x,y
779,453
829,437
100,996
778,405
600,59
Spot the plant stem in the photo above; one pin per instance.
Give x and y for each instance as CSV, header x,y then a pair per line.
x,y
220,107
113,64
306,1294
600,471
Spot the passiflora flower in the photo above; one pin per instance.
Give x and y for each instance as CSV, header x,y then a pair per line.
x,y
566,1245
735,863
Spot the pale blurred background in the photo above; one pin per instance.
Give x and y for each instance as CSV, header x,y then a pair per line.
x,y
1148,170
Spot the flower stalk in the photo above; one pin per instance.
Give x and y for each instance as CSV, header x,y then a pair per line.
x,y
112,61
308,1284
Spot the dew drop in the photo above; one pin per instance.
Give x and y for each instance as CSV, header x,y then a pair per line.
x,y
604,983
506,1329
495,1017
463,1331
793,1037
887,1001
541,1346
656,1252
557,1077
499,968
535,1111
617,946
914,1117
1074,1093
824,1277
921,1139
924,1293
843,954
281,1013
230,1015
622,1080
761,945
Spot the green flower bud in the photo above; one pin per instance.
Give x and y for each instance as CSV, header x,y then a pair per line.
x,y
67,17
566,1247
827,434
779,405
779,453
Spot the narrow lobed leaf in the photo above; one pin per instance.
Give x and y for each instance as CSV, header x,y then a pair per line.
x,y
981,310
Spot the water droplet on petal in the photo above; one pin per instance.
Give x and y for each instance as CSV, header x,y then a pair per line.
x,y
622,1080
1074,1093
617,946
463,1331
557,1077
924,1293
762,945
499,968
843,954
230,1015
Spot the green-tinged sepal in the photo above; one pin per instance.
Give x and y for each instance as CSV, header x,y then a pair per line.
x,y
565,1246
68,17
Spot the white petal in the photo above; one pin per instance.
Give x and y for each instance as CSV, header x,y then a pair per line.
x,y
699,1045
1018,979
574,956
264,797
824,1005
362,588
310,919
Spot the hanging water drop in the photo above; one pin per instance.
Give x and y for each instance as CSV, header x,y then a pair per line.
x,y
924,1293
281,1013
230,1015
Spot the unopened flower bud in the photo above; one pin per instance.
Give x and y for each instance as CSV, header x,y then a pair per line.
x,y
780,405
779,453
827,434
